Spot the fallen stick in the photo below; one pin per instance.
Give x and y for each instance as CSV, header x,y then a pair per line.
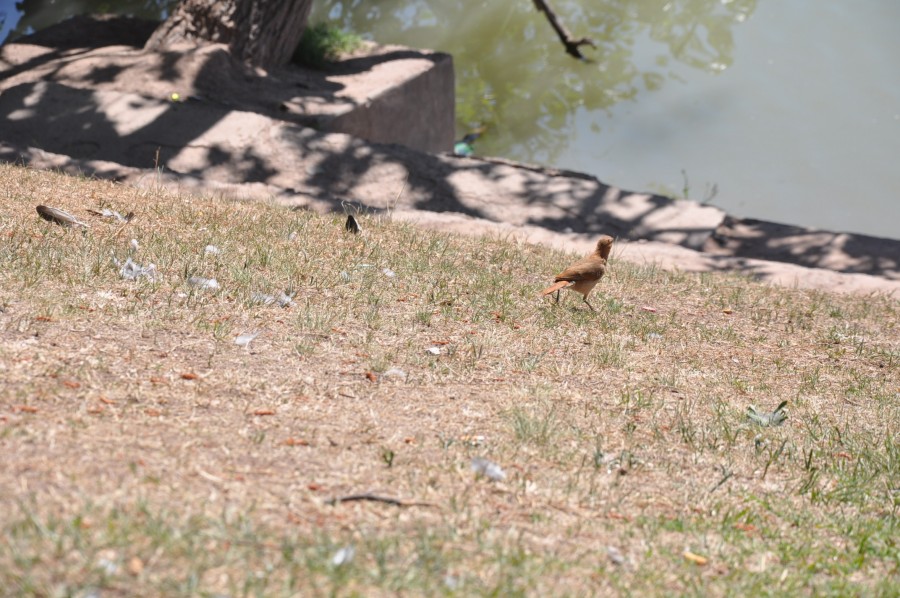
x,y
375,498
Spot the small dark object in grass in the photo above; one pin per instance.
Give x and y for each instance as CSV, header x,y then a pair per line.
x,y
59,217
375,498
352,225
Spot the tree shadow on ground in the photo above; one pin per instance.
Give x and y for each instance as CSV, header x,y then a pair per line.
x,y
58,53
757,239
78,36
335,169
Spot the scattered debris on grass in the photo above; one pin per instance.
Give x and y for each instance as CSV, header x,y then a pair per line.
x,y
352,225
282,299
243,340
615,556
695,558
775,418
133,271
135,566
112,214
106,561
489,469
204,283
60,217
394,372
622,438
343,556
369,497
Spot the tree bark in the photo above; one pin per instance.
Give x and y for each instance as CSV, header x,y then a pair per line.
x,y
263,33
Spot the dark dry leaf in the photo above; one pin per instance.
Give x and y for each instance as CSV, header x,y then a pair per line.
x,y
352,225
59,217
368,496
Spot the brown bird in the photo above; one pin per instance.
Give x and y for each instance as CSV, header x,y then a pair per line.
x,y
584,274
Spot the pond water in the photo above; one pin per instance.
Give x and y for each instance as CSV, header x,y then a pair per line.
x,y
784,111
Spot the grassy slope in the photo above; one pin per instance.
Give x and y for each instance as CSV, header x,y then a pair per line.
x,y
144,452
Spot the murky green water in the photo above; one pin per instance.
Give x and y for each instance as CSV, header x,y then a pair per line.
x,y
790,110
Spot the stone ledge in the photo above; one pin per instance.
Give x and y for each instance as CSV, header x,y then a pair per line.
x,y
841,252
215,143
664,255
384,94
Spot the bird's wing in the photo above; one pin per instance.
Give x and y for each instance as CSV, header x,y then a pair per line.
x,y
589,268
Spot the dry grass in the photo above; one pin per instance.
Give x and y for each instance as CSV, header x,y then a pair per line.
x,y
145,453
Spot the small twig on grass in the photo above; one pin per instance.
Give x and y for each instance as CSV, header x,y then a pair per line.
x,y
773,457
392,207
209,477
726,475
565,37
375,498
121,228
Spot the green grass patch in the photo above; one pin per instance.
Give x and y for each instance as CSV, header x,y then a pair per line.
x,y
324,43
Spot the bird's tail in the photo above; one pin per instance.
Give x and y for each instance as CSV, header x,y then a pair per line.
x,y
555,287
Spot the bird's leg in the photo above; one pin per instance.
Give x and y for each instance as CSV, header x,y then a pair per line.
x,y
588,304
557,296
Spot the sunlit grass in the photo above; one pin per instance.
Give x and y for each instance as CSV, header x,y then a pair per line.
x,y
147,453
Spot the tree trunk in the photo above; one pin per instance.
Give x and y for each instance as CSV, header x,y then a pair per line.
x,y
263,33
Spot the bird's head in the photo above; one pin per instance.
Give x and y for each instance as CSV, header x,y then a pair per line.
x,y
604,246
